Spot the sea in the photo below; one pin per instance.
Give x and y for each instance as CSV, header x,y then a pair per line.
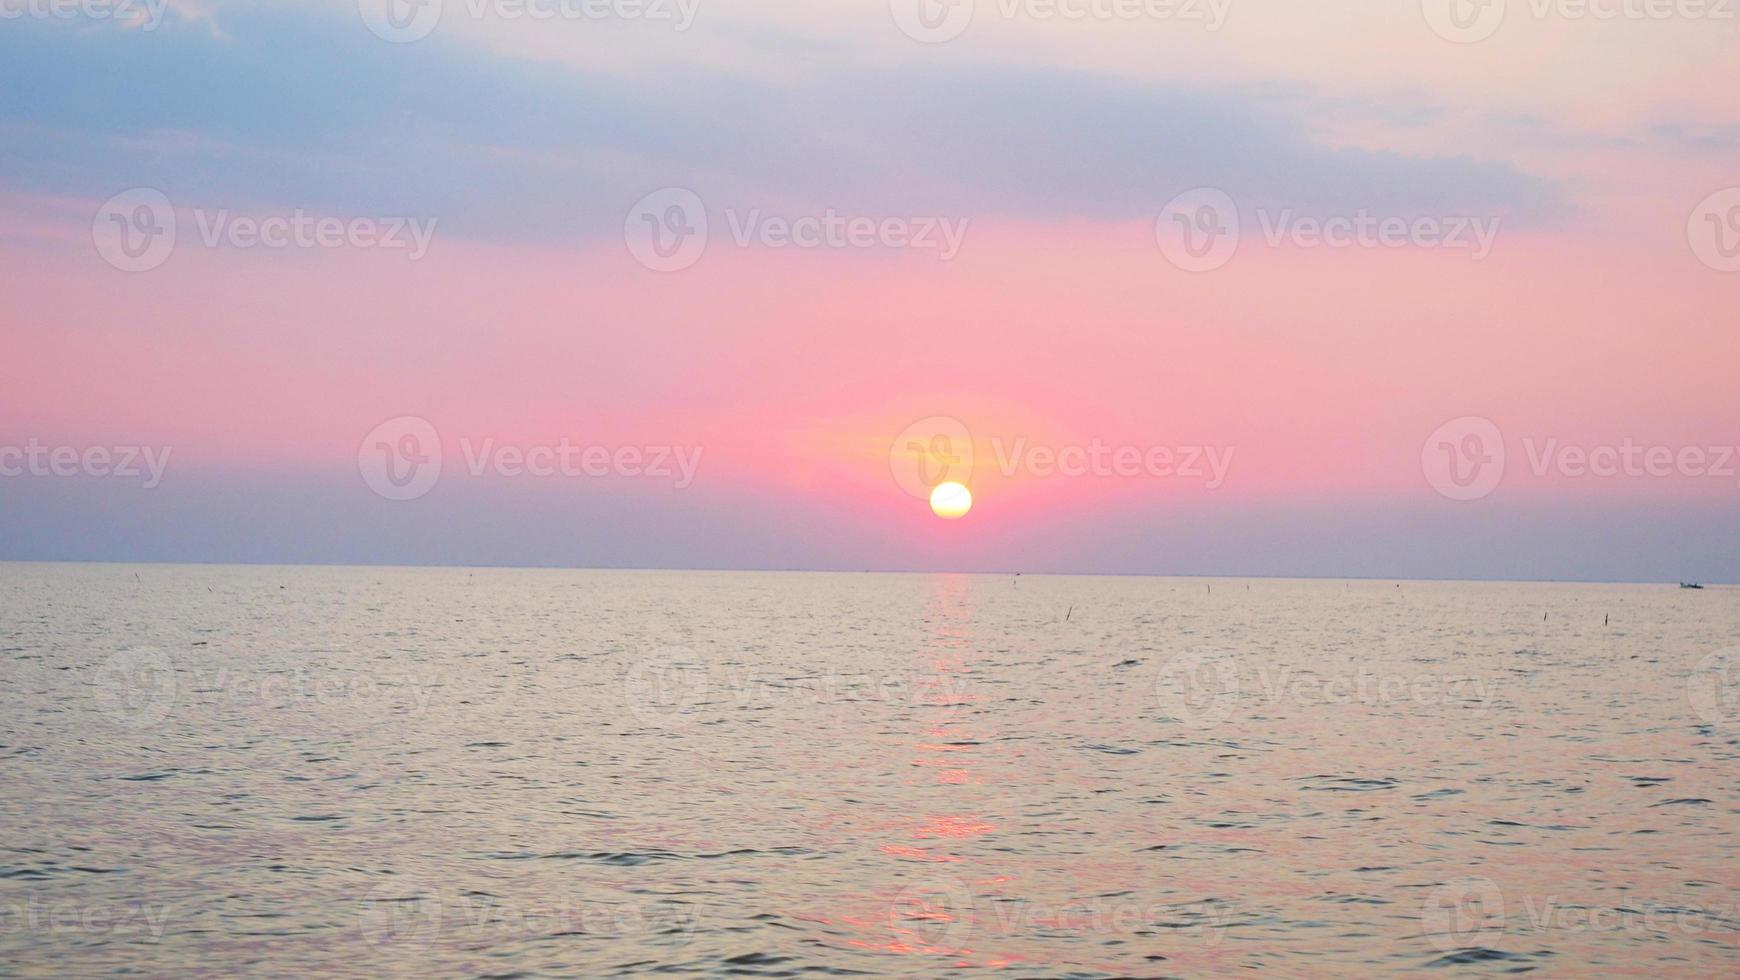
x,y
311,771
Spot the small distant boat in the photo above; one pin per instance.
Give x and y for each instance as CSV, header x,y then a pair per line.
x,y
1690,585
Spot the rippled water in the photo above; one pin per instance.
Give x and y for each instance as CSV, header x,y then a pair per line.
x,y
395,771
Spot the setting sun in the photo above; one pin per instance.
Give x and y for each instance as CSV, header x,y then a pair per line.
x,y
951,500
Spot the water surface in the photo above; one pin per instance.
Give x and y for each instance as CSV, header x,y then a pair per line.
x,y
217,770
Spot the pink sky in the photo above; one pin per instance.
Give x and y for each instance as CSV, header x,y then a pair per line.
x,y
1320,371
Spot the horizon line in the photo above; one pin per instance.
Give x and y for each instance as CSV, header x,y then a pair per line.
x,y
857,571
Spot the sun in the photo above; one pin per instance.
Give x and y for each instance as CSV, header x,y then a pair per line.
x,y
951,500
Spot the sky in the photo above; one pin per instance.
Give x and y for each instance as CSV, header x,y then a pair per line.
x,y
1389,288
